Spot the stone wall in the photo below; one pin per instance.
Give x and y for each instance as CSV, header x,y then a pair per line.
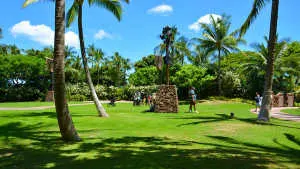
x,y
281,100
166,100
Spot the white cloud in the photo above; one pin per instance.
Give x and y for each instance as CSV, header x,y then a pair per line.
x,y
72,39
161,9
101,34
203,20
42,34
39,33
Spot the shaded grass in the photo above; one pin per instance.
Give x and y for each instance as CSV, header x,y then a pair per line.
x,y
292,111
133,139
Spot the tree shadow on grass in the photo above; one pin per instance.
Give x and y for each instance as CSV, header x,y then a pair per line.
x,y
204,119
225,117
292,138
131,152
271,123
288,152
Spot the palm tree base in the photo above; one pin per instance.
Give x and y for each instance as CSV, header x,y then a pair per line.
x,y
264,115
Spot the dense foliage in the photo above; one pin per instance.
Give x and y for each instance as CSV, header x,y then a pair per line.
x,y
22,78
24,75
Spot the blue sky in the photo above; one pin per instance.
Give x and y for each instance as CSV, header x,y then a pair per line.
x,y
137,34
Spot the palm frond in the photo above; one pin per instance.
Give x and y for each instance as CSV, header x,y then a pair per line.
x,y
256,7
114,6
72,13
28,2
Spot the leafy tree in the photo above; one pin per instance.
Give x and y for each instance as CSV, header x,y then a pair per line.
x,y
113,6
119,66
287,68
22,78
65,122
264,113
198,56
9,50
180,49
191,75
96,55
144,76
218,41
145,62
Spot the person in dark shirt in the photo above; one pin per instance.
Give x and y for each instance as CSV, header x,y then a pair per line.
x,y
193,97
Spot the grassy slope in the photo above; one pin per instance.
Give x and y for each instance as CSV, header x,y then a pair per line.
x,y
292,111
133,139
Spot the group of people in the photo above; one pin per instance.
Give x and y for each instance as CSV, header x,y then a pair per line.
x,y
139,98
148,100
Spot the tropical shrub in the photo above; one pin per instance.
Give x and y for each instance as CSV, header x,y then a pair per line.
x,y
23,78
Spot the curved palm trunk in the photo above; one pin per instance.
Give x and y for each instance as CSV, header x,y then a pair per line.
x,y
219,73
100,109
64,119
264,113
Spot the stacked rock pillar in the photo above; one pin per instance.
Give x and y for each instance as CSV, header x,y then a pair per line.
x,y
166,99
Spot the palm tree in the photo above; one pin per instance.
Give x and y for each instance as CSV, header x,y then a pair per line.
x,y
176,48
180,49
119,67
198,55
218,42
264,113
64,118
97,56
113,6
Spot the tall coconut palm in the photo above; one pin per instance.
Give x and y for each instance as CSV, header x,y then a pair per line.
x,y
180,49
113,6
257,62
119,67
198,55
264,113
217,41
176,48
64,118
97,56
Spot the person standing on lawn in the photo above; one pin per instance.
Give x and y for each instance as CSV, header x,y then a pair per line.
x,y
192,96
258,101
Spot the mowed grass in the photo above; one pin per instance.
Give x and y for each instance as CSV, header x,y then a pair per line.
x,y
133,139
292,111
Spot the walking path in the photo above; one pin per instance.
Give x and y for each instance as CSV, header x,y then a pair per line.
x,y
48,107
276,113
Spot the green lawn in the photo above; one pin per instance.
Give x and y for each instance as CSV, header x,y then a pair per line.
x,y
133,139
292,111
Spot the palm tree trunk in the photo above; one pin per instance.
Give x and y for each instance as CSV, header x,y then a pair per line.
x,y
64,118
98,75
168,66
219,73
264,113
100,109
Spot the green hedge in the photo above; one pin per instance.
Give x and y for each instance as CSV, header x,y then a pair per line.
x,y
81,92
